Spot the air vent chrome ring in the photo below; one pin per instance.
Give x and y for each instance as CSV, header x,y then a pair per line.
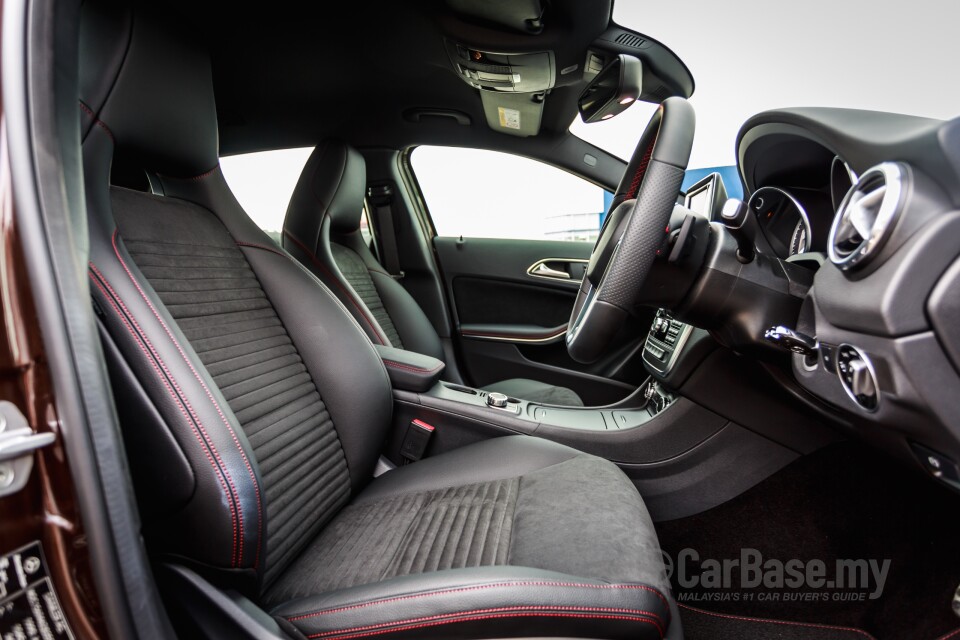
x,y
866,216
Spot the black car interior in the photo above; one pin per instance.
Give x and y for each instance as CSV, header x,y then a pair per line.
x,y
266,404
322,230
447,437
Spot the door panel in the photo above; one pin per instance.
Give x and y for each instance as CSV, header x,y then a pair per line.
x,y
489,301
510,321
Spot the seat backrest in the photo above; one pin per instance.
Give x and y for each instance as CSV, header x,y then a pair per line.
x,y
253,405
322,230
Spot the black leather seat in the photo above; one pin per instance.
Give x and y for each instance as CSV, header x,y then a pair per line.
x,y
322,230
254,409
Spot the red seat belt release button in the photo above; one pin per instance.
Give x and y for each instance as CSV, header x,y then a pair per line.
x,y
415,442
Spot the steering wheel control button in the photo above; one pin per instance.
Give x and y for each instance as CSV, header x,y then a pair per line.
x,y
497,400
791,340
858,377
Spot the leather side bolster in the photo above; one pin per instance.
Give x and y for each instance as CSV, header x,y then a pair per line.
x,y
484,602
410,371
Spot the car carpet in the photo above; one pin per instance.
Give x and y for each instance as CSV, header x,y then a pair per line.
x,y
699,624
845,501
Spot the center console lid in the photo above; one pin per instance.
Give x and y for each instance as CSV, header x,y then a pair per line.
x,y
410,371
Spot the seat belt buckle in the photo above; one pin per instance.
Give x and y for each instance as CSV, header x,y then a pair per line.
x,y
416,440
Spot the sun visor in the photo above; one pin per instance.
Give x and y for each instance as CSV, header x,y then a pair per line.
x,y
512,86
516,114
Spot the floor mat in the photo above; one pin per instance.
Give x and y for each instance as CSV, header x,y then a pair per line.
x,y
843,502
707,625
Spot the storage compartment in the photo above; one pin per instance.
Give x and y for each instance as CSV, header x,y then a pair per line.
x,y
588,419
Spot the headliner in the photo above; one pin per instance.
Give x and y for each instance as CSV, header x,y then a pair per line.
x,y
302,72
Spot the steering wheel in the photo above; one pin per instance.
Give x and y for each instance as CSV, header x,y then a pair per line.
x,y
634,231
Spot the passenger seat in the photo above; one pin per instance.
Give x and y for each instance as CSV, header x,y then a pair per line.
x,y
322,230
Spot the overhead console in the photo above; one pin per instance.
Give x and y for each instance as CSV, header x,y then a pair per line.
x,y
512,86
509,72
515,54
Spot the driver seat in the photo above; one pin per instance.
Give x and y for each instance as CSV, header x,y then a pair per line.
x,y
322,230
254,409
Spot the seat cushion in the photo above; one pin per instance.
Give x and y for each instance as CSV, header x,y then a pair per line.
x,y
534,391
512,531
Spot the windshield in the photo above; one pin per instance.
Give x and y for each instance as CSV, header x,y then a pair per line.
x,y
751,55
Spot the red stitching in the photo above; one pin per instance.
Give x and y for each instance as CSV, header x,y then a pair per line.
x,y
950,635
195,178
398,365
233,435
204,444
641,170
97,121
500,612
637,587
204,174
260,246
226,423
315,260
781,622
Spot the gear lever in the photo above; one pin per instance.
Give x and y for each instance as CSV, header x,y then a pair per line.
x,y
736,217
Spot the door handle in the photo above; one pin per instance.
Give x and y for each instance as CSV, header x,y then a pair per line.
x,y
18,442
542,269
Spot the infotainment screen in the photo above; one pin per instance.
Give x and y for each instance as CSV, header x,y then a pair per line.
x,y
707,196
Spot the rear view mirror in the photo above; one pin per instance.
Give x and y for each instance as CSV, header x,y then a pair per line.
x,y
615,88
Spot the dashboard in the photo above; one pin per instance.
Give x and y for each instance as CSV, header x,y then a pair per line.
x,y
877,198
783,220
796,219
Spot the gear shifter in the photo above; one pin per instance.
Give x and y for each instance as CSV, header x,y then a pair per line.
x,y
736,217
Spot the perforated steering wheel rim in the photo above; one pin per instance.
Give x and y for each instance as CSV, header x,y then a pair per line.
x,y
610,289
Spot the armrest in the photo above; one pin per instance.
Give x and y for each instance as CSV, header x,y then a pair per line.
x,y
520,333
410,371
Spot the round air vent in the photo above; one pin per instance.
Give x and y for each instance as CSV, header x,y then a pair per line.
x,y
866,217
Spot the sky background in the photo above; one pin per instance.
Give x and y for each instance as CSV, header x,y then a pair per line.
x,y
746,56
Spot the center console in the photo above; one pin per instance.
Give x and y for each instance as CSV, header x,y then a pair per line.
x,y
676,450
634,411
665,342
417,383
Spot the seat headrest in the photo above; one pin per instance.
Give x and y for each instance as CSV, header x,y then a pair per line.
x,y
145,78
331,186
